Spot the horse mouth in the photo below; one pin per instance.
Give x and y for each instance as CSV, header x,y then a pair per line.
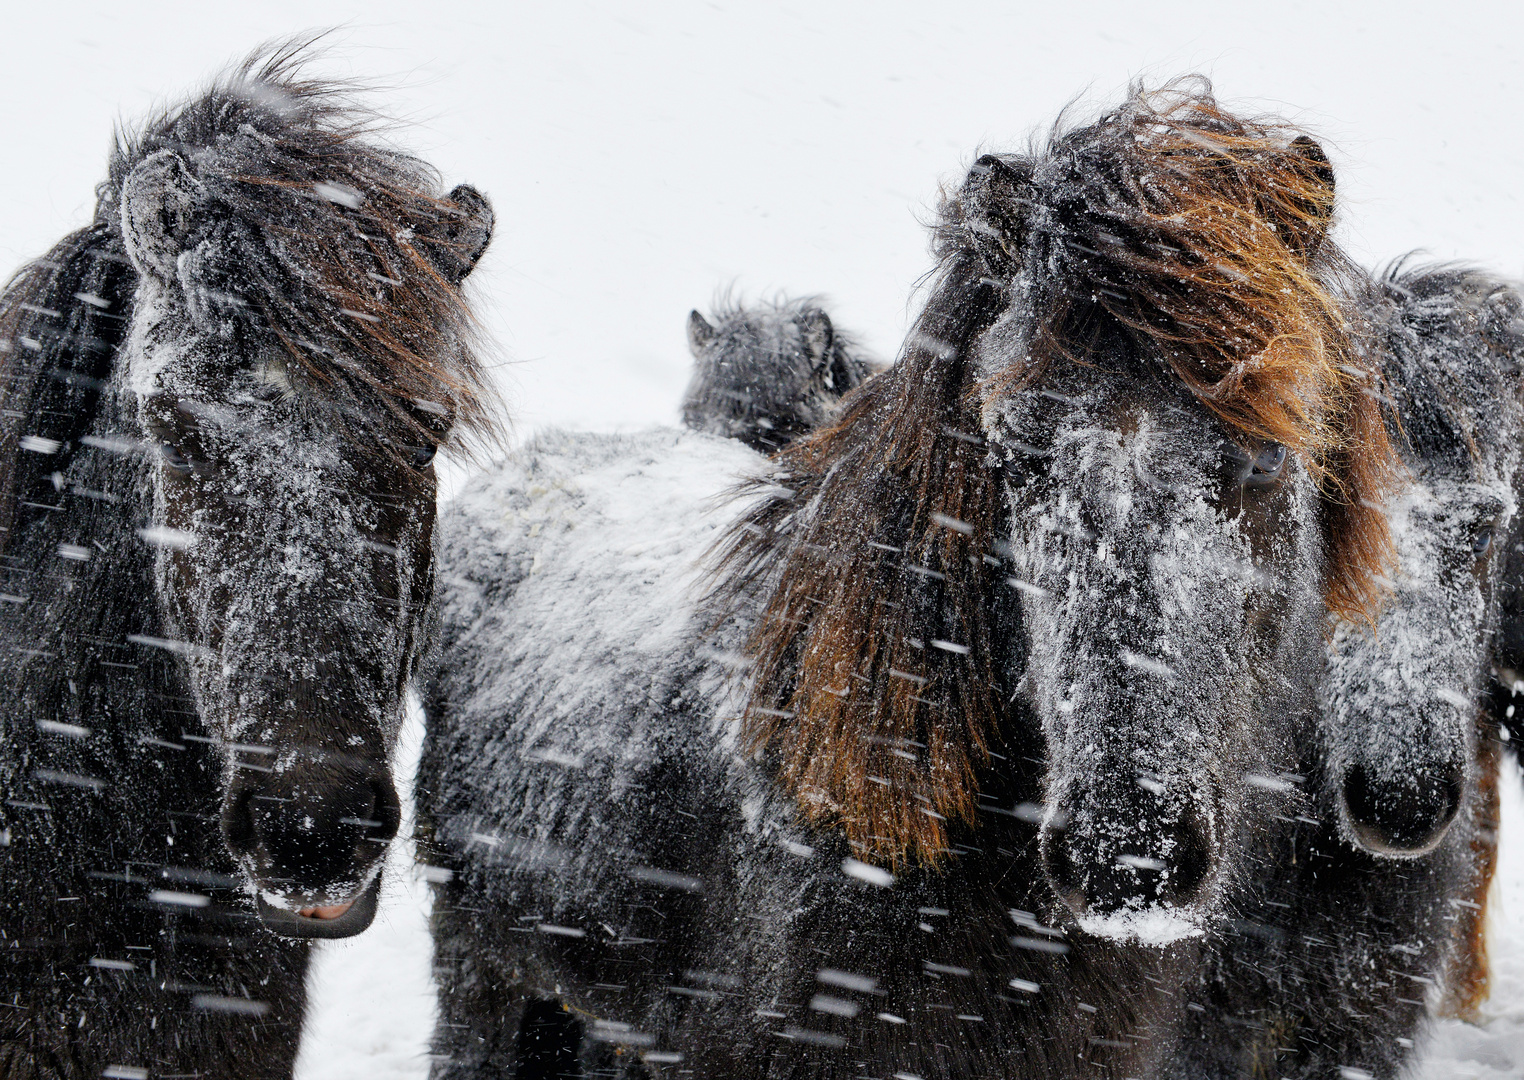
x,y
323,920
1156,926
329,911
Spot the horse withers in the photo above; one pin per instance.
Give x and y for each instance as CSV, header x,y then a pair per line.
x,y
221,404
999,675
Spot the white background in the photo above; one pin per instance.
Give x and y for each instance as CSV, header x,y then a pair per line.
x,y
640,157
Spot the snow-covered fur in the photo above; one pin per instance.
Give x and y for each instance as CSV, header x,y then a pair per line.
x,y
769,372
220,401
966,752
1402,696
1367,916
614,851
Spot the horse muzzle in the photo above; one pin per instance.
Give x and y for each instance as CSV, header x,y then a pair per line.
x,y
311,837
1403,812
1123,860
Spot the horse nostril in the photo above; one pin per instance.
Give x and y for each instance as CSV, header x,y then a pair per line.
x,y
386,812
1406,813
238,822
1095,877
1191,861
316,829
1064,873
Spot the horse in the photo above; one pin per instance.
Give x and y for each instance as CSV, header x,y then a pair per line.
x,y
1366,917
221,402
952,761
1404,746
768,373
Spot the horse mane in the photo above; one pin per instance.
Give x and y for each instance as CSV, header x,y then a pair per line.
x,y
334,243
1449,404
62,319
875,550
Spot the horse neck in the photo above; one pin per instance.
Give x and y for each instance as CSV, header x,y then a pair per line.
x,y
76,576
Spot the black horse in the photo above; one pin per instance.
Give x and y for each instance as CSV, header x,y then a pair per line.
x,y
998,679
769,373
221,401
1364,917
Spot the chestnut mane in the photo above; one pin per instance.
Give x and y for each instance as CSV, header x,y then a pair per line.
x,y
879,680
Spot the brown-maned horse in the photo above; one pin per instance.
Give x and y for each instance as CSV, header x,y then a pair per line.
x,y
999,677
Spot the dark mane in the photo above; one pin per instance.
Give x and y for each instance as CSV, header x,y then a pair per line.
x,y
1195,235
56,353
1448,411
287,260
303,206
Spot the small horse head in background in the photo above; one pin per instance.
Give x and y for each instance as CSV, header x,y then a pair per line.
x,y
769,373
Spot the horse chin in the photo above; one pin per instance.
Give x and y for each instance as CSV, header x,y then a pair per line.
x,y
326,921
1155,925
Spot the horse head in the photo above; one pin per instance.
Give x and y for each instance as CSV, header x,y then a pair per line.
x,y
1402,694
1097,516
298,350
769,373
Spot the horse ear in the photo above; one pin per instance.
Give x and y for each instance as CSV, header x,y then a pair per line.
x,y
700,333
992,200
818,334
1307,230
464,231
159,200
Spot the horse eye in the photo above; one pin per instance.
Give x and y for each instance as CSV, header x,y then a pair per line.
x,y
173,460
1481,543
1267,466
423,455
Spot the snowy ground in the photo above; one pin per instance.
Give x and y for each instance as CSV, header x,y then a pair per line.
x,y
640,156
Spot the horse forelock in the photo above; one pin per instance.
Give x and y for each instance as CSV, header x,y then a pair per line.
x,y
1203,235
329,241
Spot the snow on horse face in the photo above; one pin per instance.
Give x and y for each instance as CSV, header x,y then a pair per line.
x,y
1183,469
266,341
1384,883
768,373
279,357
1172,592
1403,695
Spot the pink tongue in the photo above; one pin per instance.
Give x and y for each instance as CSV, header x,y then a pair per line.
x,y
330,911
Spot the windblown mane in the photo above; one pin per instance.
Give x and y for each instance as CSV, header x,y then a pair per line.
x,y
1450,412
877,661
306,230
